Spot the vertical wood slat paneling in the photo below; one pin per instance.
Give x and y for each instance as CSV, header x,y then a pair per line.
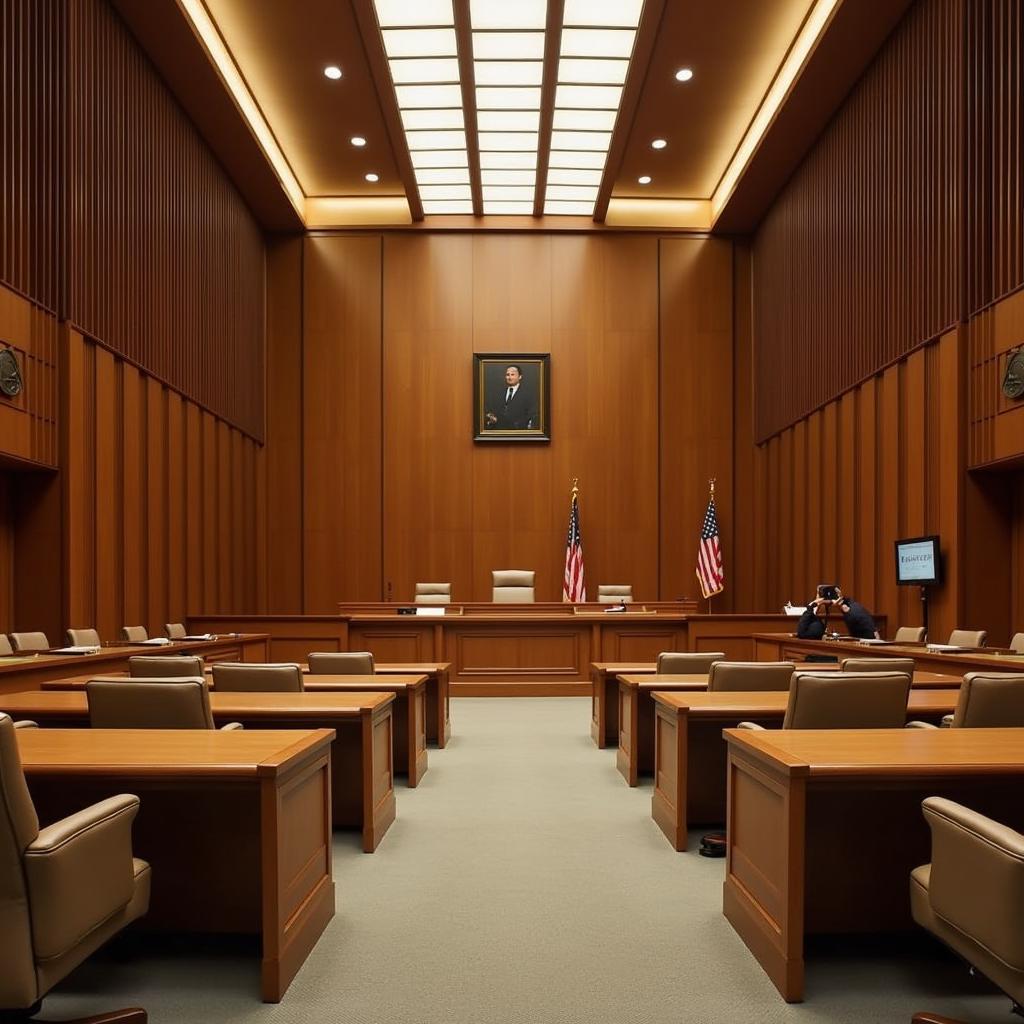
x,y
6,555
854,266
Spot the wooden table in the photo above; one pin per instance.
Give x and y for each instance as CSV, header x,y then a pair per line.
x,y
236,826
362,791
825,826
604,697
29,671
635,755
690,754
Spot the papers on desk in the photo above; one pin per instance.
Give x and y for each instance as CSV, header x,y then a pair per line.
x,y
155,641
793,609
199,636
947,648
876,643
90,649
430,610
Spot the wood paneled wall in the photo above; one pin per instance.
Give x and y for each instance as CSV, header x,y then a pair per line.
x,y
162,500
394,489
6,553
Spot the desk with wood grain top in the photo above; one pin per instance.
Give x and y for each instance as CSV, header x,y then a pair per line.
x,y
362,776
690,753
236,826
635,755
824,827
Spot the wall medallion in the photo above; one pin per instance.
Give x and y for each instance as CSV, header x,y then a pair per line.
x,y
10,374
1013,379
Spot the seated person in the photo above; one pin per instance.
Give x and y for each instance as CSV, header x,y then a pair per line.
x,y
857,618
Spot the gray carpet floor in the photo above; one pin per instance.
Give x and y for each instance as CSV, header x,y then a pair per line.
x,y
524,882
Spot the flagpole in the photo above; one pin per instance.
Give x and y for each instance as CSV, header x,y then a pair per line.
x,y
711,483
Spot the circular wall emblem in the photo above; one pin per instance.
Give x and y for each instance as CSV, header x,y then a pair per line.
x,y
1013,379
10,374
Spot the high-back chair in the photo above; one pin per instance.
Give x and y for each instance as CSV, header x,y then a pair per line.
x,y
175,630
750,675
30,642
512,586
341,663
910,635
847,700
169,666
83,638
130,704
968,638
67,888
134,634
685,663
1017,643
986,701
5,645
614,593
878,665
969,896
433,593
249,678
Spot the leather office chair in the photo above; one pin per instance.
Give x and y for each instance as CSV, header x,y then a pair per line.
x,y
878,665
750,675
343,663
84,638
968,637
30,642
910,635
130,704
433,593
686,663
134,634
844,700
512,586
170,666
67,888
1017,643
986,702
5,645
614,593
244,677
970,895
175,630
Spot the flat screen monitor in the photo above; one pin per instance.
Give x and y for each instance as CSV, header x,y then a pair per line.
x,y
918,563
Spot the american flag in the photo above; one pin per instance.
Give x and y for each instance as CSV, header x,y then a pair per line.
x,y
709,556
574,587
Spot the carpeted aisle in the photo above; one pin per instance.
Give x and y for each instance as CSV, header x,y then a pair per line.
x,y
524,882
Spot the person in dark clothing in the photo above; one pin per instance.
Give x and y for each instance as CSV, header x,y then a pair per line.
x,y
856,617
812,623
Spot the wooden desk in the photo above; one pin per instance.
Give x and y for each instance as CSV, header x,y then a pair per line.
x,y
825,826
604,697
635,755
236,826
28,672
438,717
690,754
362,791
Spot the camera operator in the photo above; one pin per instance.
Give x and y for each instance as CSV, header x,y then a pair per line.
x,y
856,617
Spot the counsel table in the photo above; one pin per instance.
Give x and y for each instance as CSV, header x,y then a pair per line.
x,y
690,753
825,826
362,787
236,826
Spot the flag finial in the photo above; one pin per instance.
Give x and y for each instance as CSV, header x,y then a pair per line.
x,y
712,483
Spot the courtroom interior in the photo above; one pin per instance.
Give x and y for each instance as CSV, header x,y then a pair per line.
x,y
511,510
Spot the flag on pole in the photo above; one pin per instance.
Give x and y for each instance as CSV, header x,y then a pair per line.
x,y
710,572
574,586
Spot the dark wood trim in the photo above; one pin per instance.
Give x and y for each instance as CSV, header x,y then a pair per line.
x,y
549,84
467,79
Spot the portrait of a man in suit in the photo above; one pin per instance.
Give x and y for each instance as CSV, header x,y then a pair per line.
x,y
511,396
515,406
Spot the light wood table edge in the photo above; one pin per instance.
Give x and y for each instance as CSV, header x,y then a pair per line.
x,y
377,815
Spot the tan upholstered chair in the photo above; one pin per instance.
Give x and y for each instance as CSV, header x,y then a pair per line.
x,y
845,700
1017,643
878,665
170,666
687,663
614,593
750,675
433,593
30,641
512,586
134,634
344,663
175,630
131,704
5,645
968,637
83,638
67,888
910,635
986,702
971,893
242,676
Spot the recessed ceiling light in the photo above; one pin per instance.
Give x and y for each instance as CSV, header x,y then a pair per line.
x,y
684,75
333,72
373,177
357,140
658,144
644,179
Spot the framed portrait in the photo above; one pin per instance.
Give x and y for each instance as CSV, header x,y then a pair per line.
x,y
511,396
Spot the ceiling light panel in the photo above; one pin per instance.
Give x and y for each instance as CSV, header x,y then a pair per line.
x,y
418,120
588,97
585,120
522,209
508,161
573,176
419,42
509,141
436,140
508,45
581,140
521,192
508,177
592,71
442,176
584,193
597,42
445,192
508,120
501,14
497,98
612,13
579,158
405,13
427,96
439,158
508,72
448,206
431,69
